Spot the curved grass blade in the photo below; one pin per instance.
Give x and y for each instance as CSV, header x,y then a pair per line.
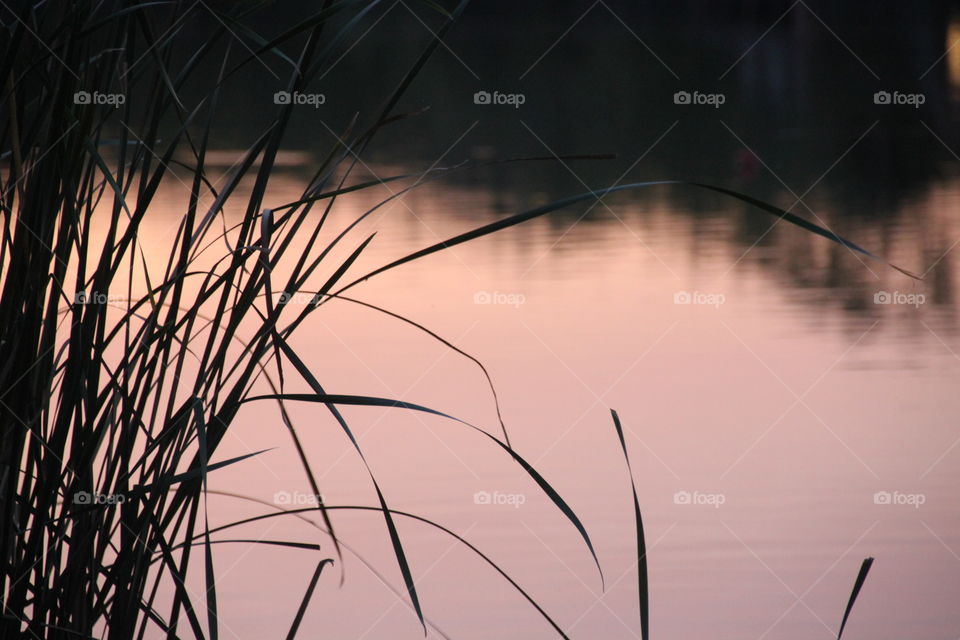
x,y
642,576
861,578
802,223
449,345
306,598
786,215
370,401
429,175
210,575
398,551
413,516
536,212
303,518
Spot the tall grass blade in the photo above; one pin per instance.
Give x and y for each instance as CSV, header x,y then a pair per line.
x,y
642,577
398,551
306,598
209,573
861,578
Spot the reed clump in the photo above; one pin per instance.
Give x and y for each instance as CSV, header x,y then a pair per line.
x,y
119,380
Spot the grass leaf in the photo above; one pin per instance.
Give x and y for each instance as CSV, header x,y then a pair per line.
x,y
594,195
306,598
643,587
370,401
861,578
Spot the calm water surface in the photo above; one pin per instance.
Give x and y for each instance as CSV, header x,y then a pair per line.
x,y
797,415
761,418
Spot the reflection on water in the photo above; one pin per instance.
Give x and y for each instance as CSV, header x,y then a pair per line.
x,y
790,407
799,126
769,377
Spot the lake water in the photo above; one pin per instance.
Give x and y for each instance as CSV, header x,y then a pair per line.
x,y
789,408
762,418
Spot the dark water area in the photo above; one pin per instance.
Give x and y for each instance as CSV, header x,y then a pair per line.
x,y
798,117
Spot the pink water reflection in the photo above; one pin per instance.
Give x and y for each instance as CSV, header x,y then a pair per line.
x,y
762,418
